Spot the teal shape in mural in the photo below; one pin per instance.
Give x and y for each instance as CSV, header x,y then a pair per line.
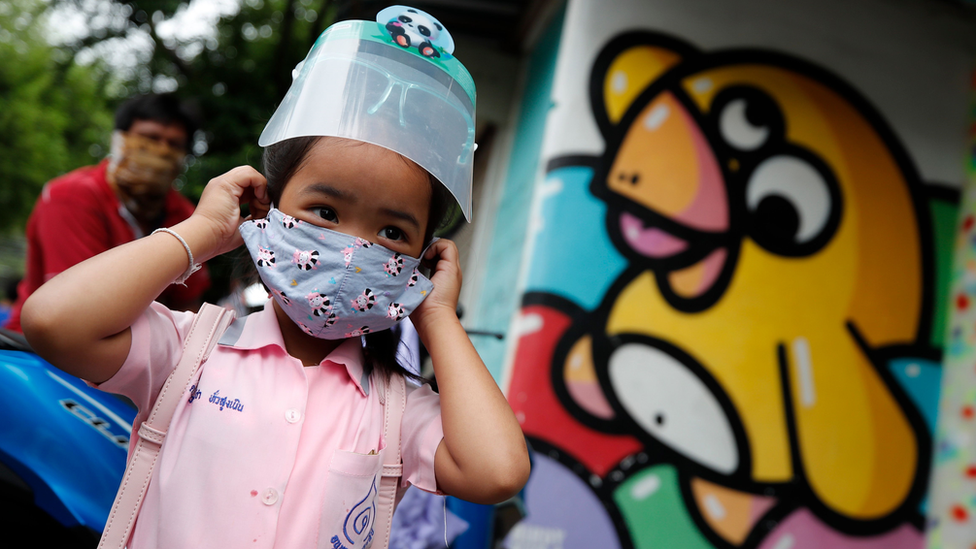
x,y
568,212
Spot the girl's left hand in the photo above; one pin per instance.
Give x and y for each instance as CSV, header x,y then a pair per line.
x,y
446,277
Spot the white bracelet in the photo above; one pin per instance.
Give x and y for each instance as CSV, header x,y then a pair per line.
x,y
193,267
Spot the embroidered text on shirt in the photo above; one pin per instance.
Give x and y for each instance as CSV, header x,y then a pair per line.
x,y
225,402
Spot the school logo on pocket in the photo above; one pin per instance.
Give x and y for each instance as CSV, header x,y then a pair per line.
x,y
357,529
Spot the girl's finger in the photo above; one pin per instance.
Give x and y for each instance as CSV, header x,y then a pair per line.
x,y
258,208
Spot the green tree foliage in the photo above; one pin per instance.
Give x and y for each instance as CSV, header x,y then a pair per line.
x,y
51,111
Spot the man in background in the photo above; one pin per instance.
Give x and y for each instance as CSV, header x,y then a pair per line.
x,y
124,197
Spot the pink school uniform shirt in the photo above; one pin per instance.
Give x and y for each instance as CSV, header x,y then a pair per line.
x,y
263,452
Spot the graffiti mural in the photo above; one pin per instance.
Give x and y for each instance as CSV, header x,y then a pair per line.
x,y
730,333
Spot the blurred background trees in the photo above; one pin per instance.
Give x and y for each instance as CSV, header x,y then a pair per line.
x,y
68,63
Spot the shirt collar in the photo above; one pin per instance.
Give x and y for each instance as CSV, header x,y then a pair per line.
x,y
260,329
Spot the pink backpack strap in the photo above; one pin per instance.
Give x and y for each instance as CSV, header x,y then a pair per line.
x,y
394,399
201,339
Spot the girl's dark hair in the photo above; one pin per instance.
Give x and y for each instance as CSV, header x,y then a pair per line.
x,y
281,161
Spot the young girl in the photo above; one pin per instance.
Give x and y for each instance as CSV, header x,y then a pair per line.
x,y
285,421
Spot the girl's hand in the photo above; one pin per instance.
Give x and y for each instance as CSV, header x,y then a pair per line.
x,y
446,277
220,207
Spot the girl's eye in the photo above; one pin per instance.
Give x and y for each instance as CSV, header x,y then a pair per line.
x,y
327,214
392,233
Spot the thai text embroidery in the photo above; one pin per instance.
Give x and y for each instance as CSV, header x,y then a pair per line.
x,y
195,394
226,402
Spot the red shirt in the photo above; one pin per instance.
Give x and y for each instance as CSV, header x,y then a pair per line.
x,y
79,216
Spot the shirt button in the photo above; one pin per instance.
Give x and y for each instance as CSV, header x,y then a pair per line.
x,y
293,416
270,496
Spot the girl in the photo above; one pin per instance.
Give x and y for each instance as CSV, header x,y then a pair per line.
x,y
285,420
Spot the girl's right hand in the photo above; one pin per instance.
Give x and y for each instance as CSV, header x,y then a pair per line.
x,y
220,206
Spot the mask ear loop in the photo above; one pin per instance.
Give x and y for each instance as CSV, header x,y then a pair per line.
x,y
271,207
425,270
427,247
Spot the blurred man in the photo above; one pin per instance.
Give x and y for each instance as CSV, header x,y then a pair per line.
x,y
126,196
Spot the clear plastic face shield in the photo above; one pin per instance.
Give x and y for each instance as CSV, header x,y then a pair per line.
x,y
392,83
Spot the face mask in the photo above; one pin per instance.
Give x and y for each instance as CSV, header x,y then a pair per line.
x,y
142,171
333,285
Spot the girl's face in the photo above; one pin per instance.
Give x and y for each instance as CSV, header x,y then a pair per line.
x,y
361,190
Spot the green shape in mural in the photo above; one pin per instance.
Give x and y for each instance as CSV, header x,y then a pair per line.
x,y
651,505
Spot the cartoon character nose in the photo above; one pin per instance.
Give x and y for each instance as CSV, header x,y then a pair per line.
x,y
666,164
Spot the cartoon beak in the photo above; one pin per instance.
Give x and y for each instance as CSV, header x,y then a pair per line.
x,y
666,166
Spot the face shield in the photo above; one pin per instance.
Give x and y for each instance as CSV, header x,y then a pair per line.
x,y
389,84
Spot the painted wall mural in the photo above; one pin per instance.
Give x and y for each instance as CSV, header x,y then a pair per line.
x,y
731,331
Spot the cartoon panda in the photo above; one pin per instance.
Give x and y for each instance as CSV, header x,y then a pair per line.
x,y
364,300
414,278
396,312
261,223
414,28
281,296
288,221
394,265
330,320
319,303
266,257
347,254
358,332
306,260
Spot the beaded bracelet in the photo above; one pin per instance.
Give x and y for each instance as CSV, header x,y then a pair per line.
x,y
193,267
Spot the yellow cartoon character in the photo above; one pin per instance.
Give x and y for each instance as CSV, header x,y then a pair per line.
x,y
776,259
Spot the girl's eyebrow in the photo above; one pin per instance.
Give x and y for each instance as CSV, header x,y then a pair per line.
x,y
322,188
403,216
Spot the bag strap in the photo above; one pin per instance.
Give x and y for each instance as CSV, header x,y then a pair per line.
x,y
200,340
394,400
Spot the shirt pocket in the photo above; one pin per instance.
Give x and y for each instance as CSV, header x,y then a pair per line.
x,y
349,506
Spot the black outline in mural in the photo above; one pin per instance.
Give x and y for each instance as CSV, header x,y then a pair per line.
x,y
796,493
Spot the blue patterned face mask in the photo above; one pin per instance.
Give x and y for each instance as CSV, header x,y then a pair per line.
x,y
331,284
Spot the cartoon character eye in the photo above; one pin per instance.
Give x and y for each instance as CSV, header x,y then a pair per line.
x,y
423,30
793,206
673,405
404,19
748,119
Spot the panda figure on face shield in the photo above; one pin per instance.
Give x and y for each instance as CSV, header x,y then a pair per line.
x,y
415,28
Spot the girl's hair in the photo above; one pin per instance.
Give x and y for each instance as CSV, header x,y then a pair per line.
x,y
282,160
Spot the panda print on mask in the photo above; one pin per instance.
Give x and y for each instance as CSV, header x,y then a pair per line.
x,y
340,285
